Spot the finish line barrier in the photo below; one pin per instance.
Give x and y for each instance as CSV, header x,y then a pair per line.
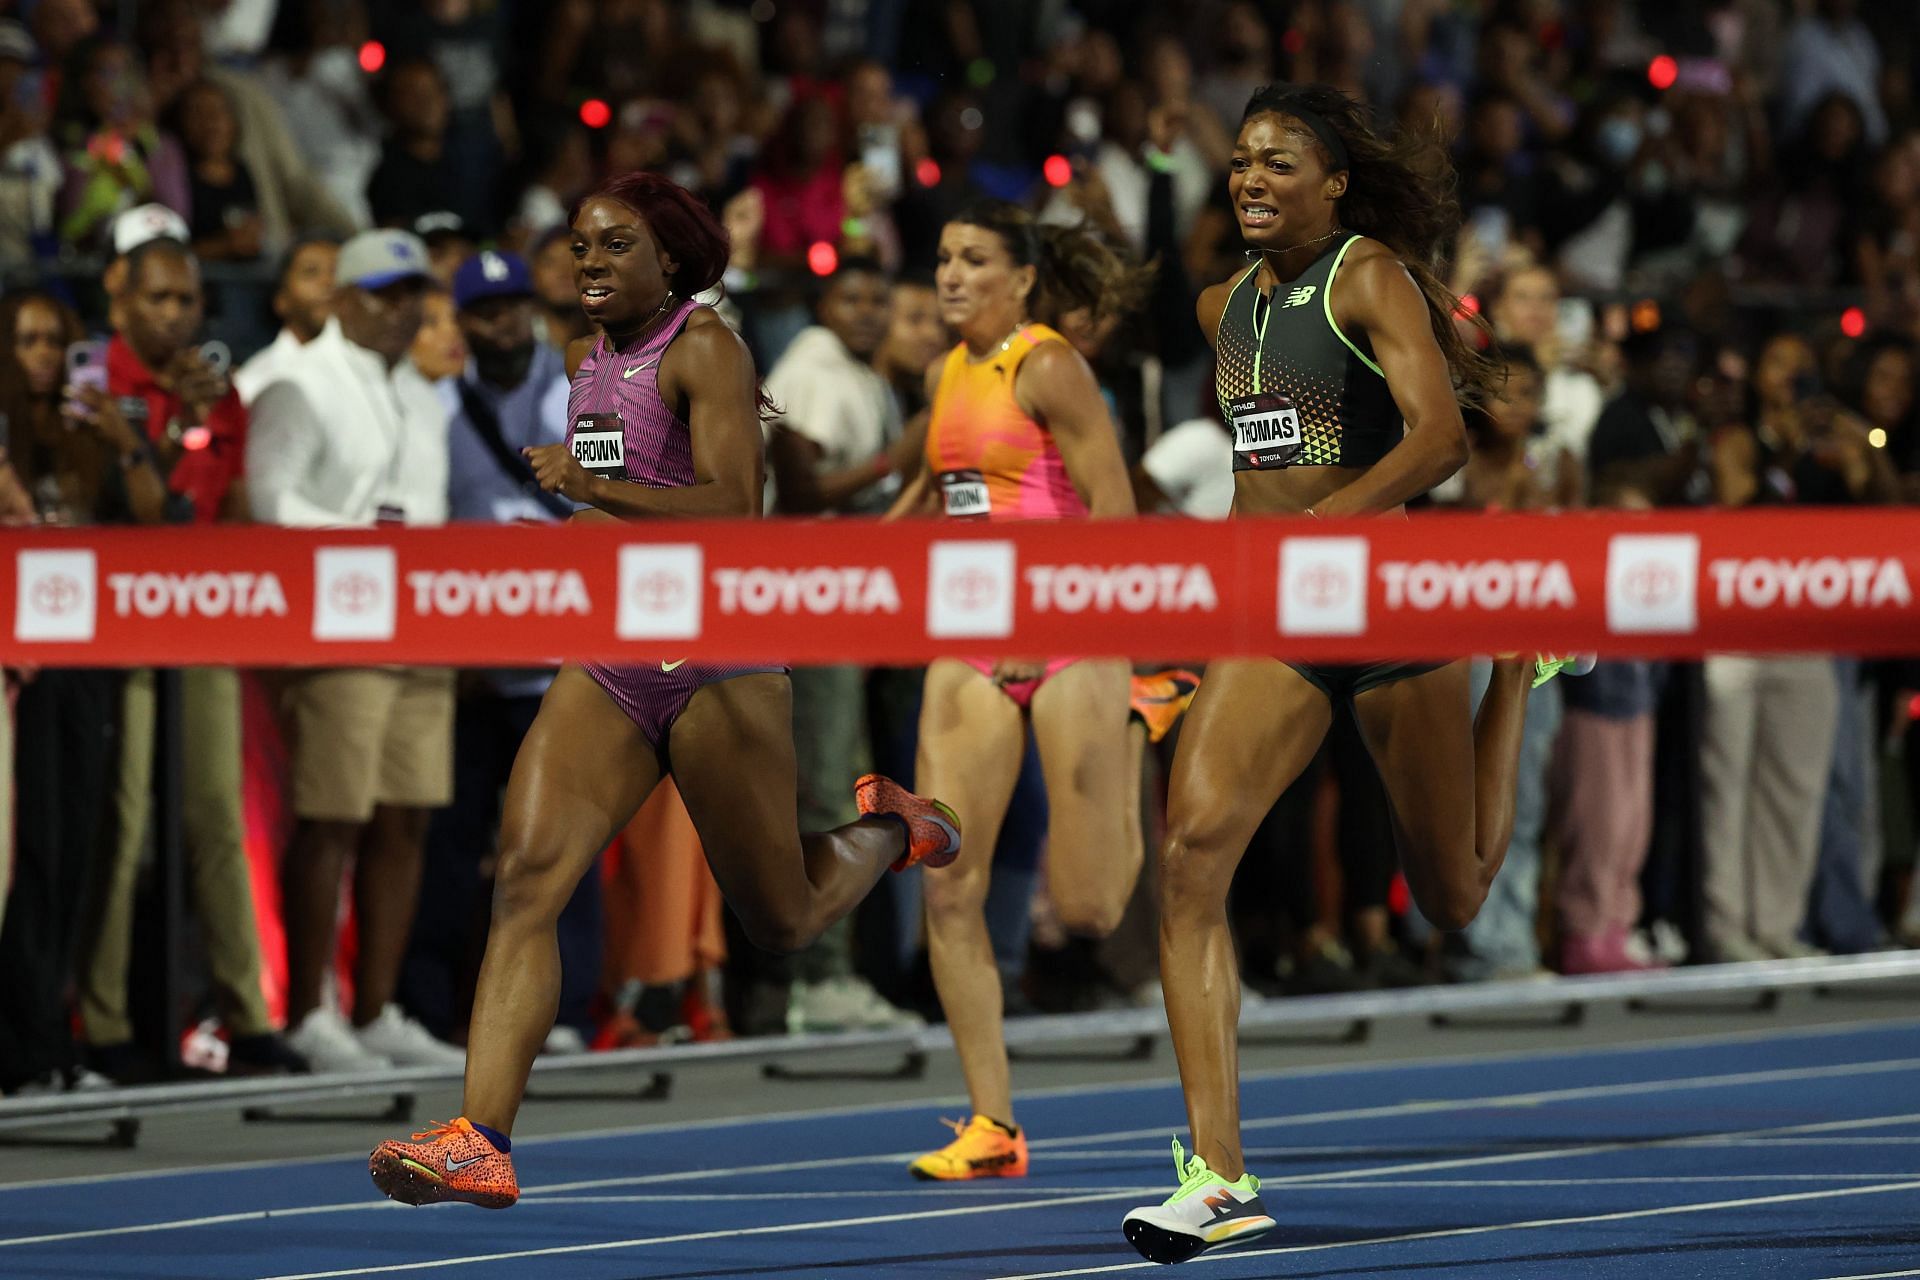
x,y
1432,586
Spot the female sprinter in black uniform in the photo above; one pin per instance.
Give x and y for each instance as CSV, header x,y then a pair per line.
x,y
1335,338
667,400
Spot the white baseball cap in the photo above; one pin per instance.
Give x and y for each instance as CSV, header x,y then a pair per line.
x,y
148,222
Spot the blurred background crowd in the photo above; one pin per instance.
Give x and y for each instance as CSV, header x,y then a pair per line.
x,y
1692,226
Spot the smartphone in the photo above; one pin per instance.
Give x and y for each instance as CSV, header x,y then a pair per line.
x,y
880,156
87,364
1573,323
218,355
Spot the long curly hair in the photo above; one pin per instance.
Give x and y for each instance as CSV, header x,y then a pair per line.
x,y
1400,191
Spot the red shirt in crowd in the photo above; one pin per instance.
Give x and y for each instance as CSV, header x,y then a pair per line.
x,y
205,474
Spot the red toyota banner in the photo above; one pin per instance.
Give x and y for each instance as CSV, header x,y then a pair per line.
x,y
1429,587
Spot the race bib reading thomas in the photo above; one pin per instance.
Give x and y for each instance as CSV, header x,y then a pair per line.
x,y
599,445
1266,432
965,494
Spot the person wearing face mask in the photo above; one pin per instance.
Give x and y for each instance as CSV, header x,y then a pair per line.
x,y
351,436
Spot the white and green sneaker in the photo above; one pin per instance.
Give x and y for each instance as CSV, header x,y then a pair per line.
x,y
1205,1213
1546,666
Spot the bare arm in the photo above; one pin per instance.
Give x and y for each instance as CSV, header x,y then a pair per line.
x,y
709,370
1378,296
1056,386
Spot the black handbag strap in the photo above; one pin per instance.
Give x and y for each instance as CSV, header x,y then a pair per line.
x,y
486,423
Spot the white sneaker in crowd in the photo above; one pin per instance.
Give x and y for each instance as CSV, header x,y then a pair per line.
x,y
395,1036
329,1045
844,1004
564,1041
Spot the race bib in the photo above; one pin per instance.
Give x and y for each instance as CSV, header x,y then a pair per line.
x,y
1266,431
965,494
599,445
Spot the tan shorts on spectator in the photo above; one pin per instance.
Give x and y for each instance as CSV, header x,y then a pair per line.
x,y
366,736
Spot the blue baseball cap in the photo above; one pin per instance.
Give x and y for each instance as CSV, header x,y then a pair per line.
x,y
376,259
491,275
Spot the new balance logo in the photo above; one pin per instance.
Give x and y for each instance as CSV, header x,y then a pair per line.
x,y
644,364
1300,297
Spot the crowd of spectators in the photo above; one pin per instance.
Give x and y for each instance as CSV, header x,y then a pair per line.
x,y
1691,232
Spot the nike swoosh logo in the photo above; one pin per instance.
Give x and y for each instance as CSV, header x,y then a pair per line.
x,y
454,1165
673,666
644,364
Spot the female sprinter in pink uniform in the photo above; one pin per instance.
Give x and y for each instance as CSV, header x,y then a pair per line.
x,y
1340,375
1020,431
665,409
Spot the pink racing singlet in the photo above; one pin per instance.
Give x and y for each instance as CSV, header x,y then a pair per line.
x,y
622,429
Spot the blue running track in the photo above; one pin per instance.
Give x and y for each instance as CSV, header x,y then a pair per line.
x,y
1794,1156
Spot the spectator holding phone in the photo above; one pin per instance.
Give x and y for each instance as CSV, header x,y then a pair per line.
x,y
194,428
66,718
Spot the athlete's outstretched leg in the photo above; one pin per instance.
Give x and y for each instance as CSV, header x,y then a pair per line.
x,y
1253,727
1450,778
731,752
583,770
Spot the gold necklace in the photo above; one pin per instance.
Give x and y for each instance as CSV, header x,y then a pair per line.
x,y
648,322
1307,244
1004,344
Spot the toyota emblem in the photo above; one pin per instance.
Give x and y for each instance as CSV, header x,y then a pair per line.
x,y
659,591
971,590
1650,583
354,592
57,595
1322,586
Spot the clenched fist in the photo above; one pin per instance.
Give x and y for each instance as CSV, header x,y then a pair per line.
x,y
558,471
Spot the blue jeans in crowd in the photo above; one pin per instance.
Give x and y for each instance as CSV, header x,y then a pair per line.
x,y
1502,939
1840,915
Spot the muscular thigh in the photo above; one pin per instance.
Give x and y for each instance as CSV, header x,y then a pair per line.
x,y
1420,734
582,771
731,752
1253,728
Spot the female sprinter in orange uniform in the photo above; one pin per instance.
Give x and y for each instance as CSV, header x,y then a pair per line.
x,y
1341,375
668,401
1020,431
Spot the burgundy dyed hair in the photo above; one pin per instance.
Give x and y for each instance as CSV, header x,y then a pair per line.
x,y
678,219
